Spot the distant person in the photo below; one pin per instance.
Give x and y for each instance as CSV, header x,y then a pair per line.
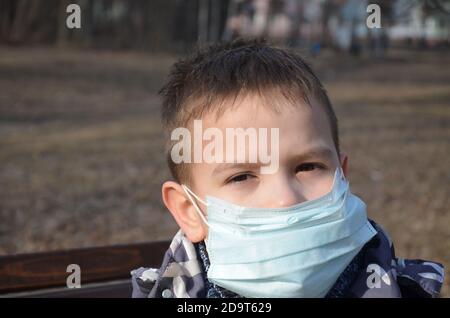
x,y
294,231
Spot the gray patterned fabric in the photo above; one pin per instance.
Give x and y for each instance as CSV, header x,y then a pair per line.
x,y
374,272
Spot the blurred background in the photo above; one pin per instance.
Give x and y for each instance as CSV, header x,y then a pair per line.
x,y
81,154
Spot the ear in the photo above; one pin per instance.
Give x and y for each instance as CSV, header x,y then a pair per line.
x,y
183,211
344,164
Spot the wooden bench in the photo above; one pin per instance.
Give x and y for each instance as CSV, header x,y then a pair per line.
x,y
105,271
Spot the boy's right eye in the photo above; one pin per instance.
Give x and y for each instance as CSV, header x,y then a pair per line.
x,y
240,178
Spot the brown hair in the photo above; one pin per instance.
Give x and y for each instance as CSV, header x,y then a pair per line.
x,y
203,81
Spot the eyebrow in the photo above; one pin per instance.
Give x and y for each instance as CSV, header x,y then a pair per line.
x,y
318,152
229,165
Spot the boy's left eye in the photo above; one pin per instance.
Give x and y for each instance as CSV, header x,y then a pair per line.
x,y
308,166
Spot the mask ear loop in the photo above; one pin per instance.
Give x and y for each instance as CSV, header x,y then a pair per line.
x,y
341,171
191,194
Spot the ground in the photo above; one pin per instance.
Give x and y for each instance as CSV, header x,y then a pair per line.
x,y
81,156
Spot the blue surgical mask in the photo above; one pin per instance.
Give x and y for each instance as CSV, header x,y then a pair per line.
x,y
298,251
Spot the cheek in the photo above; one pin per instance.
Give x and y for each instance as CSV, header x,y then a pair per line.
x,y
317,189
201,178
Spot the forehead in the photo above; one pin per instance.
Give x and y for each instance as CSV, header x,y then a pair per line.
x,y
299,123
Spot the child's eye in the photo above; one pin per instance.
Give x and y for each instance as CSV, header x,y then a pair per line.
x,y
240,178
308,166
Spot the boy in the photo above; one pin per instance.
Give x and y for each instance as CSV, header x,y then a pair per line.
x,y
271,214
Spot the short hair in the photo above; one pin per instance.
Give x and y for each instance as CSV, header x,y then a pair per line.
x,y
202,82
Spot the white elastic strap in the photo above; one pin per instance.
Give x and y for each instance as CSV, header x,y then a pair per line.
x,y
191,194
342,173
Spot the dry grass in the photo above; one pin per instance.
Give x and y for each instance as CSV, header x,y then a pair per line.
x,y
81,159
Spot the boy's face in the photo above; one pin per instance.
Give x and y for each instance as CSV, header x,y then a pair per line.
x,y
307,162
307,157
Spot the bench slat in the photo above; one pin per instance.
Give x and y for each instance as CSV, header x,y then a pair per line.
x,y
44,270
113,289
